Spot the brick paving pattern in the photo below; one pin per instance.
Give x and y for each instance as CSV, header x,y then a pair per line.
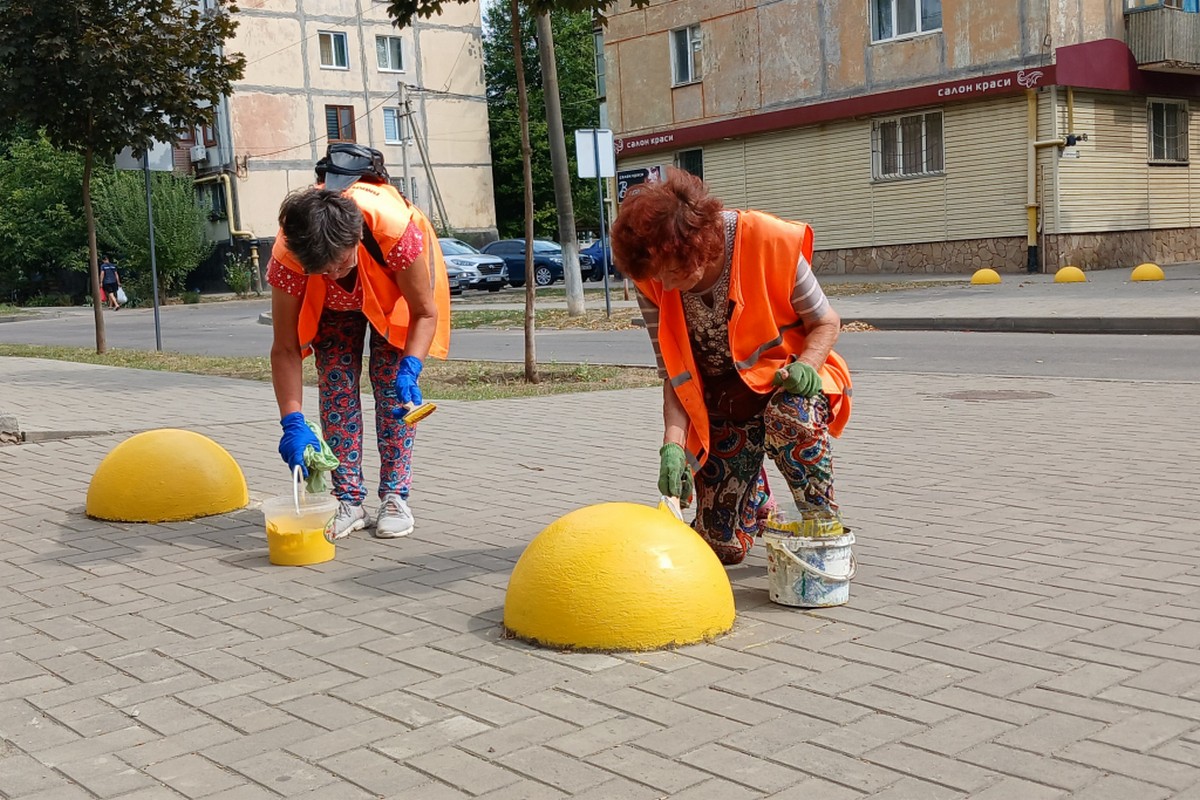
x,y
1025,622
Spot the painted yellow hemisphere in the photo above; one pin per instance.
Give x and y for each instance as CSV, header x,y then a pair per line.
x,y
164,475
1070,275
1146,272
985,276
618,576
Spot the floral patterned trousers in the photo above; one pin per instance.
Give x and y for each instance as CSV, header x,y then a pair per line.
x,y
338,350
731,490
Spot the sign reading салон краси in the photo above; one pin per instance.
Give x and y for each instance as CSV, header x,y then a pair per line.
x,y
1104,64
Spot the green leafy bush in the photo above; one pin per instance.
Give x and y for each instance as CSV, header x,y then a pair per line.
x,y
238,274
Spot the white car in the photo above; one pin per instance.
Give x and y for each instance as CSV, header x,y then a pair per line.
x,y
476,270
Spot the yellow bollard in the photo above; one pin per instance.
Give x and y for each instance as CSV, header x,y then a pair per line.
x,y
985,277
1146,272
618,576
1070,275
165,475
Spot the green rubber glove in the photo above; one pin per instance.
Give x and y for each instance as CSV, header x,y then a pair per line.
x,y
674,475
799,378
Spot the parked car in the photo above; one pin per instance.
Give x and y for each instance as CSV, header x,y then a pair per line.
x,y
595,251
457,280
547,260
478,271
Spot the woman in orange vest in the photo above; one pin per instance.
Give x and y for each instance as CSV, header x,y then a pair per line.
x,y
352,255
743,336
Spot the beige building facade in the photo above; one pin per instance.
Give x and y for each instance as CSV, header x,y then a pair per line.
x,y
925,135
319,71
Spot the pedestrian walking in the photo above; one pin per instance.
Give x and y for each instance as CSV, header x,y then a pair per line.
x,y
354,259
110,282
743,336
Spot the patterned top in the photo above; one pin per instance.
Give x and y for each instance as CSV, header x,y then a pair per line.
x,y
707,313
337,298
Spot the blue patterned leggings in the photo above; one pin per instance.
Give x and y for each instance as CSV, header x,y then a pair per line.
x,y
338,351
731,490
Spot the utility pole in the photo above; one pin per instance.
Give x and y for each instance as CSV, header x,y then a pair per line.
x,y
434,191
405,128
561,168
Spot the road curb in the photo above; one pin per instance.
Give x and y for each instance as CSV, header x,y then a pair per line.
x,y
1149,326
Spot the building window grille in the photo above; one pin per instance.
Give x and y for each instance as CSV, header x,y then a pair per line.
x,y
598,39
685,55
334,53
895,19
691,161
410,192
339,123
389,52
1168,131
393,126
909,145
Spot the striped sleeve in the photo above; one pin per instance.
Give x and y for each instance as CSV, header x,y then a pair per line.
x,y
650,316
808,300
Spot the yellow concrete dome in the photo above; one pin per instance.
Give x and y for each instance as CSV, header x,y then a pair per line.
x,y
985,276
1146,272
618,576
165,475
1070,275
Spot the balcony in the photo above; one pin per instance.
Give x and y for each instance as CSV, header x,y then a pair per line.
x,y
1164,35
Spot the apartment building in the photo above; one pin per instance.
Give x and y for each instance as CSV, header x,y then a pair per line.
x,y
925,135
320,71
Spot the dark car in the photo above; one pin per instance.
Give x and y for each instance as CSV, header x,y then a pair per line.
x,y
547,260
596,254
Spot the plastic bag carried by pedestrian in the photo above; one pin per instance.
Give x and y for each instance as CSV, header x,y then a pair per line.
x,y
122,298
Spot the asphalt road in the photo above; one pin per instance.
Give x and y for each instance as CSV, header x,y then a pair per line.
x,y
233,329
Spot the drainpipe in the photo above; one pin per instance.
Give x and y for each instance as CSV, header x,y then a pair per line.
x,y
234,232
1032,207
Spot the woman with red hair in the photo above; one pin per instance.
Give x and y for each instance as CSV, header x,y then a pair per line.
x,y
743,336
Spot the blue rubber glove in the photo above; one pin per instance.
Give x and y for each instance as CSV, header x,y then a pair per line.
x,y
296,437
799,378
408,394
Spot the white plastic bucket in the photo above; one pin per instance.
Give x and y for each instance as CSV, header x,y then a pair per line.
x,y
810,572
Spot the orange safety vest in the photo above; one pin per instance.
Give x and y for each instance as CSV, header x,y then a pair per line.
x,y
765,332
387,213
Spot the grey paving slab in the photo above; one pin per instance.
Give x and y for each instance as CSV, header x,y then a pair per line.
x,y
1024,623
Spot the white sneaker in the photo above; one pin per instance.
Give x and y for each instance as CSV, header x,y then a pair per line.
x,y
347,519
395,519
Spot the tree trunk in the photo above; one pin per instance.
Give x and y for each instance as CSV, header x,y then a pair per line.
x,y
531,370
93,262
561,168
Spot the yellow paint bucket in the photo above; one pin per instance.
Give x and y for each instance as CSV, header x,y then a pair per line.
x,y
298,525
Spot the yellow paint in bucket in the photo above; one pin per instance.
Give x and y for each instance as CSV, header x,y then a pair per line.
x,y
299,539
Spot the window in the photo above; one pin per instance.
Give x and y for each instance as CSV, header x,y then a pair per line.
x,y
411,194
333,50
685,55
390,53
691,161
1168,132
598,40
339,123
395,130
893,19
908,145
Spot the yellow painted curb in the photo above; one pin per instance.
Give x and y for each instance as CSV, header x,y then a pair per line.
x,y
1070,275
1146,272
985,277
618,576
165,475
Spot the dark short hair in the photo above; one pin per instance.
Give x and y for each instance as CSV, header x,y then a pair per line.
x,y
320,226
666,222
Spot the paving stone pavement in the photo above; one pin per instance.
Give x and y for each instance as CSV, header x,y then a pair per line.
x,y
1025,622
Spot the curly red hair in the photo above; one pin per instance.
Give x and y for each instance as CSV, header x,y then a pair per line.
x,y
667,225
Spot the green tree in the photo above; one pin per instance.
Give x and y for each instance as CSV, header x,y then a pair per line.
x,y
403,12
180,242
573,47
42,231
101,75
